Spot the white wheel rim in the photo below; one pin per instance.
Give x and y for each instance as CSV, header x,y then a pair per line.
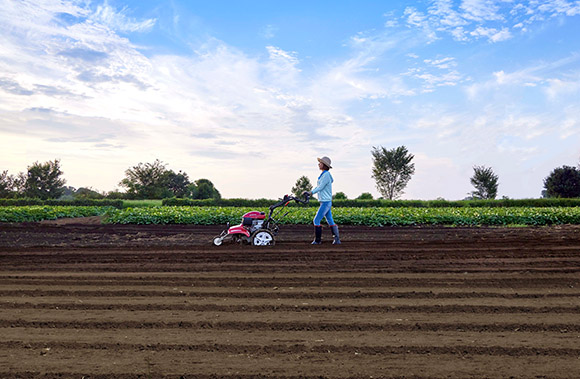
x,y
262,238
217,241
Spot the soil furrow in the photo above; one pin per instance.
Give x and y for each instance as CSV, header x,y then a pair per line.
x,y
301,348
150,301
149,375
296,308
551,282
288,295
294,326
311,267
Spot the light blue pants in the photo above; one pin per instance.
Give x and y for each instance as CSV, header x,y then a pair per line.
x,y
324,211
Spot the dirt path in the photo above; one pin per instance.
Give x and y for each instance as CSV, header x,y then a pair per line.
x,y
158,301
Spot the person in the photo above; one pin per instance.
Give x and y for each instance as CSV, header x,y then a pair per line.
x,y
324,191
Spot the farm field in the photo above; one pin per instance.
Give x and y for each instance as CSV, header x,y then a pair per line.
x,y
158,301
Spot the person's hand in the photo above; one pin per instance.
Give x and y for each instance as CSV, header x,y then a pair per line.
x,y
306,193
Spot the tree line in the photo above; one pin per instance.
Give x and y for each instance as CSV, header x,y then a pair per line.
x,y
143,181
392,170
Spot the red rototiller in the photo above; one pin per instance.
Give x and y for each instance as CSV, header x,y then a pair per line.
x,y
256,228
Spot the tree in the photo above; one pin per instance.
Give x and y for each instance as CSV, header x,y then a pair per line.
x,y
146,181
6,184
87,193
177,184
203,189
485,182
365,196
43,180
339,196
563,182
392,170
302,184
68,193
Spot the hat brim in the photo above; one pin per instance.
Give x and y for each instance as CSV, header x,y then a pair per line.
x,y
321,161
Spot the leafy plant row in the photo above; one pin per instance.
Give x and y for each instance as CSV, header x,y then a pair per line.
x,y
48,212
343,216
76,203
552,202
355,216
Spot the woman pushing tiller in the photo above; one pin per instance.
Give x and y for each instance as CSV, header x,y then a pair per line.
x,y
324,191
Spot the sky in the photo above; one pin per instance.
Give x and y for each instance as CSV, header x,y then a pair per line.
x,y
249,93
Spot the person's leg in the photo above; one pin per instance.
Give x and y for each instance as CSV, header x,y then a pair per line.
x,y
320,214
317,235
333,227
335,235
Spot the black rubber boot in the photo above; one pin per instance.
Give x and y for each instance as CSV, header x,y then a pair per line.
x,y
317,235
335,235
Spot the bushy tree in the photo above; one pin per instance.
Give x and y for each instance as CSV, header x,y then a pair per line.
x,y
146,181
302,184
365,196
486,183
7,185
67,193
203,189
392,170
116,194
563,182
339,196
177,184
43,180
155,181
87,193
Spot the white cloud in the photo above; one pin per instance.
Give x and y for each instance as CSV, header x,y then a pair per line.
x,y
436,73
563,87
543,75
443,14
443,63
283,66
92,95
481,10
269,31
71,85
492,34
118,20
555,7
473,19
415,18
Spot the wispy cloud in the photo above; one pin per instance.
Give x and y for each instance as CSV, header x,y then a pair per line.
x,y
112,96
490,19
481,10
492,34
434,73
269,31
545,75
118,19
73,82
563,87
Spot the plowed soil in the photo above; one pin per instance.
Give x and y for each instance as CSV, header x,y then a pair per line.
x,y
112,301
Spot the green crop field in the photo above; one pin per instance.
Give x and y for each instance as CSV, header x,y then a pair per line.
x,y
343,216
355,216
142,203
48,212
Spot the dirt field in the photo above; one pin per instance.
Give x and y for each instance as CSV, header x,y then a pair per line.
x,y
98,301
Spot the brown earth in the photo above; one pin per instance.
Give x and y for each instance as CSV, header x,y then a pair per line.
x,y
125,301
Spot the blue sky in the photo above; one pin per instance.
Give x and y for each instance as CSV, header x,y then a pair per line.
x,y
248,94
